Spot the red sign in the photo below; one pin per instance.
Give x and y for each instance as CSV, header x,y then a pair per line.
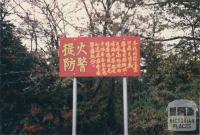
x,y
99,56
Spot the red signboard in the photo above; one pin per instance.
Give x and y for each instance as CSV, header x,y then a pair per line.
x,y
99,56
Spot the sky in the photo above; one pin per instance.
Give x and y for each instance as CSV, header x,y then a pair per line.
x,y
75,14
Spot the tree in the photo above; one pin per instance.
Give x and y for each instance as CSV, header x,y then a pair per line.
x,y
16,65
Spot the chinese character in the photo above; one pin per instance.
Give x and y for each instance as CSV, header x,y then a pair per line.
x,y
82,63
98,73
129,42
69,64
113,67
124,69
118,48
102,59
98,55
134,43
92,50
108,55
92,44
104,72
92,61
102,54
81,49
98,60
103,65
107,49
135,67
119,70
109,71
68,49
129,48
123,44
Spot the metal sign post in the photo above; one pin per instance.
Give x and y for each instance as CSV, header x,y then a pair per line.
x,y
74,106
125,105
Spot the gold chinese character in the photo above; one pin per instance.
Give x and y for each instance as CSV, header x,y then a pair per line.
x,y
134,43
135,67
112,44
118,48
119,70
82,63
69,64
97,48
92,51
68,49
103,64
118,55
98,73
92,44
92,56
108,60
129,42
119,65
107,43
124,69
102,54
104,72
102,47
98,66
118,60
108,65
98,55
81,49
130,64
129,48
107,49
117,44
113,49
113,60
109,71
124,65
124,59
113,67
113,54
108,55
124,55
92,61
98,60
134,48
123,44
123,50
102,59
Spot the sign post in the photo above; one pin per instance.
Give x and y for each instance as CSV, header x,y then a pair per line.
x,y
74,116
100,57
125,105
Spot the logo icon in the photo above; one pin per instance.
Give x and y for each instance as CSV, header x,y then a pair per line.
x,y
182,115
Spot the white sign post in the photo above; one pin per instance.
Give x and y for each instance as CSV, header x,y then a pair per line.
x,y
74,106
125,105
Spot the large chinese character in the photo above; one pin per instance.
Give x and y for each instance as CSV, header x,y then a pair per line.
x,y
82,63
68,49
69,64
81,48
